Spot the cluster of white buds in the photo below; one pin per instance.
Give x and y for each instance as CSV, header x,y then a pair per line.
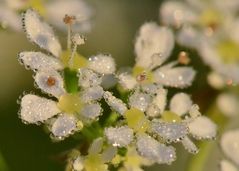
x,y
133,132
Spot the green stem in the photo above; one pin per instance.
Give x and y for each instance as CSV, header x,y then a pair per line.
x,y
71,80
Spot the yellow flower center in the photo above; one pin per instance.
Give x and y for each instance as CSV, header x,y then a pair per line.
x,y
228,51
169,116
37,5
70,103
142,75
78,60
136,120
210,18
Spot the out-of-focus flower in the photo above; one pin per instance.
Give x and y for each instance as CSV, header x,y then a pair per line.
x,y
10,13
230,147
209,27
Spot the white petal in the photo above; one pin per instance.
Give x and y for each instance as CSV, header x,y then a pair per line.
x,y
36,109
127,81
140,101
103,64
180,77
121,136
78,164
202,128
109,153
189,145
155,151
78,8
180,103
153,39
228,104
96,146
91,111
216,80
160,100
230,145
88,78
150,88
9,18
153,110
189,37
108,81
92,94
40,61
225,165
50,82
170,132
40,32
194,111
16,4
116,104
64,126
176,13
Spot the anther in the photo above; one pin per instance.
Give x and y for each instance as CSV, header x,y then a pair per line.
x,y
183,58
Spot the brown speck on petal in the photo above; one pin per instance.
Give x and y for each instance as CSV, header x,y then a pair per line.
x,y
51,81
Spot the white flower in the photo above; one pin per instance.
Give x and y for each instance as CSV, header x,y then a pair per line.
x,y
9,13
153,47
70,109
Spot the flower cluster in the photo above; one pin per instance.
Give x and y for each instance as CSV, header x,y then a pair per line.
x,y
140,126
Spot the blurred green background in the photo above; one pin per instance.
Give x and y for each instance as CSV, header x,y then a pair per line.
x,y
115,24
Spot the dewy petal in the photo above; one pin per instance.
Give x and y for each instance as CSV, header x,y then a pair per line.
x,y
189,145
88,78
36,109
78,164
63,126
77,8
115,103
127,81
189,37
171,131
202,128
153,39
96,146
225,165
180,103
91,111
50,82
140,101
103,64
176,13
120,137
179,77
160,100
230,145
92,94
9,18
40,61
228,104
40,32
155,151
109,153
